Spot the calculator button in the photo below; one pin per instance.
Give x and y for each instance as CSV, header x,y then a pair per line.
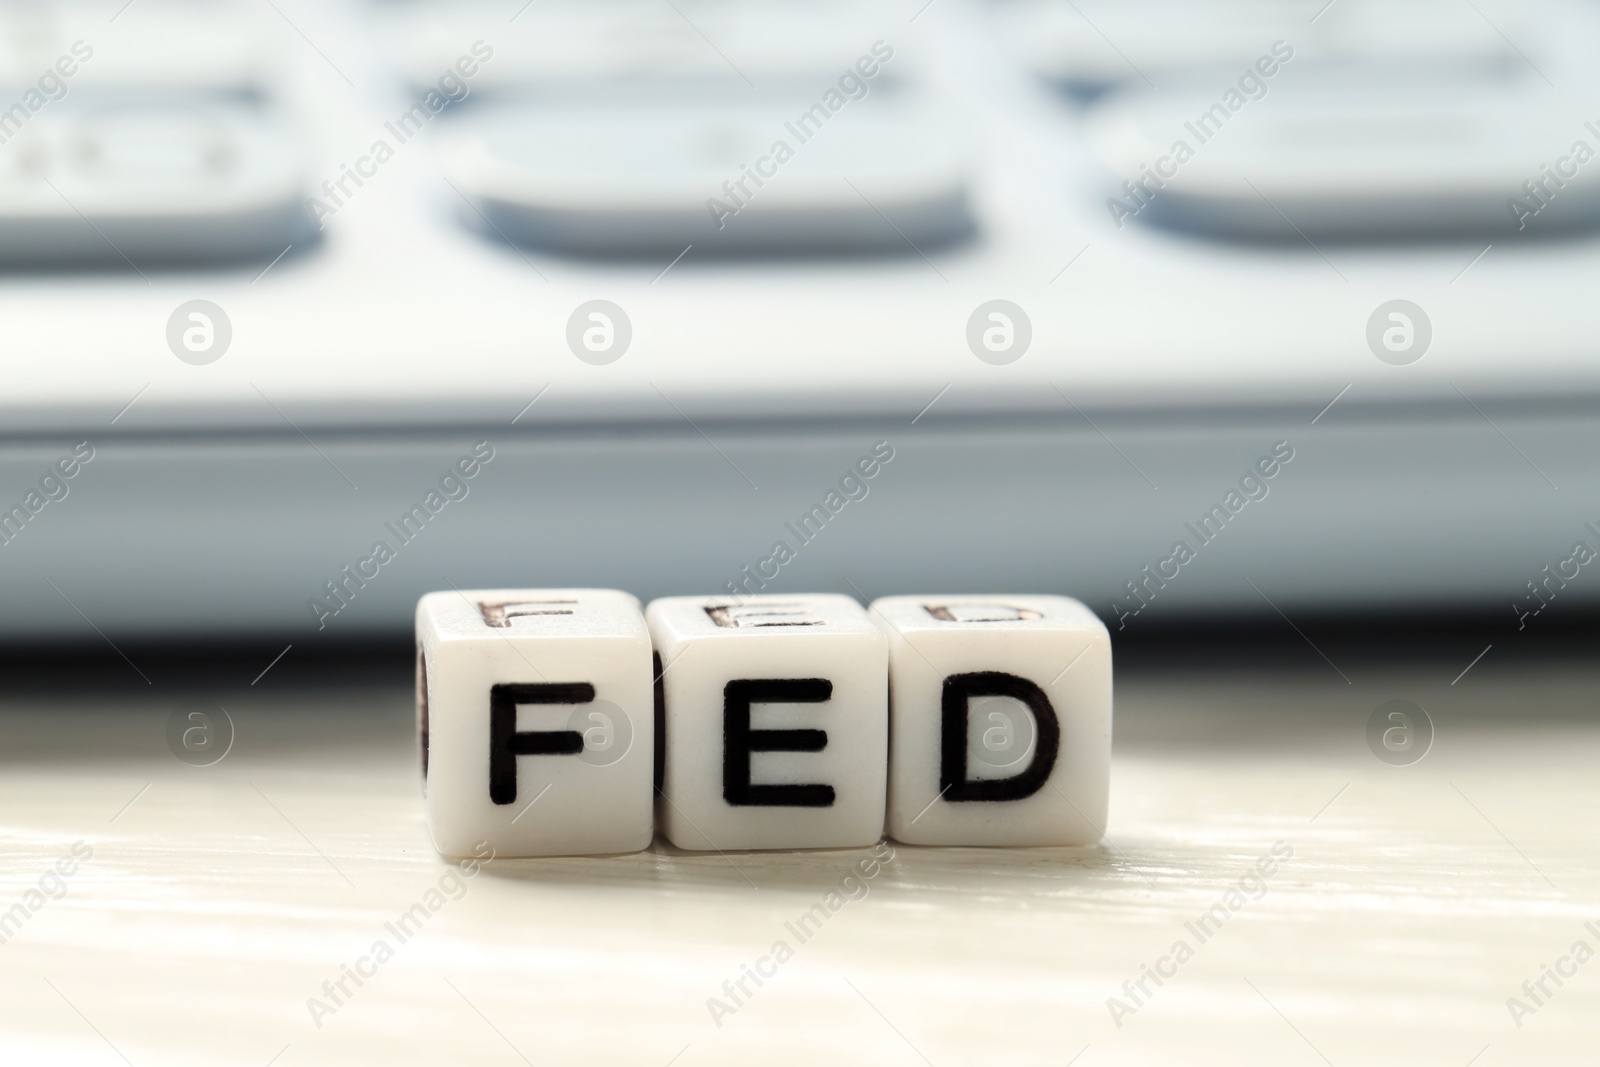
x,y
153,184
639,179
1338,158
185,46
715,46
1095,45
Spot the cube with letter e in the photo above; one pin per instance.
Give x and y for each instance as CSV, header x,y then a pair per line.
x,y
775,721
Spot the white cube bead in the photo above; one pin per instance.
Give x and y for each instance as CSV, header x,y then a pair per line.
x,y
1000,716
536,719
775,722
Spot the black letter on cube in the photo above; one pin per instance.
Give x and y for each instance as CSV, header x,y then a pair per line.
x,y
506,744
959,689
738,741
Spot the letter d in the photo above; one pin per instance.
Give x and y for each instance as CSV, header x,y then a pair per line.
x,y
959,689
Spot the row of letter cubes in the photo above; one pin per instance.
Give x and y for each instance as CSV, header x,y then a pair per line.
x,y
574,721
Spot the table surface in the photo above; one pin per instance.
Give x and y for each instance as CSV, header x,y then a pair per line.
x,y
1417,899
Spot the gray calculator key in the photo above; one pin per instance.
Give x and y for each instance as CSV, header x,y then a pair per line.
x,y
75,47
1338,158
1094,45
149,183
579,46
637,179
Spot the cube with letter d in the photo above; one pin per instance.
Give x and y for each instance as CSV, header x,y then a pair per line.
x,y
1000,720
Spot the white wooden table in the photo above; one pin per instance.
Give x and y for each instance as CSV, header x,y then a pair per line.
x,y
1417,900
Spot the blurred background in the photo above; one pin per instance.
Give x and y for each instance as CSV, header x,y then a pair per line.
x,y
1253,310
1264,327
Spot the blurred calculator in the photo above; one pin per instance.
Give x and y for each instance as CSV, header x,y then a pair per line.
x,y
1080,263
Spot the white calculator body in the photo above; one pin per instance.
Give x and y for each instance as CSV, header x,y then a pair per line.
x,y
281,281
